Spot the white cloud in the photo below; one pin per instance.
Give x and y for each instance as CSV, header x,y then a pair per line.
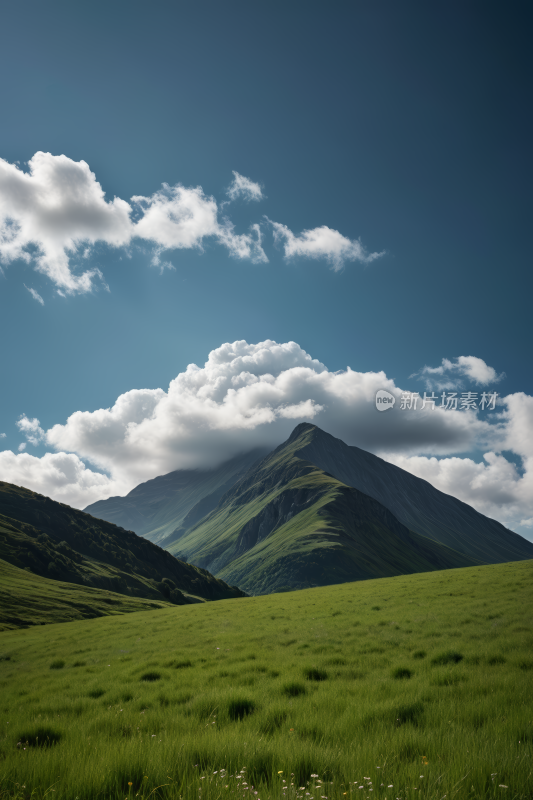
x,y
323,243
2,435
177,217
478,370
158,263
56,206
54,213
249,395
32,430
245,188
35,295
22,447
450,373
62,476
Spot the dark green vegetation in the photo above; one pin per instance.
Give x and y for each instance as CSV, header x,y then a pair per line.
x,y
54,541
27,599
155,509
289,524
413,686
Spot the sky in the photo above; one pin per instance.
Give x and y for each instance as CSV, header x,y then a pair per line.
x,y
218,220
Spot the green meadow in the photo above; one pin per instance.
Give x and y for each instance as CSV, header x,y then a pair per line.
x,y
417,686
28,599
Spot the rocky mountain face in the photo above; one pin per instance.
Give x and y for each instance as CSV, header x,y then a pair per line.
x,y
155,509
415,502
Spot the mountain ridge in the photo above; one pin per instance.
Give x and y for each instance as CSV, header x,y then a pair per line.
x,y
414,501
155,508
288,523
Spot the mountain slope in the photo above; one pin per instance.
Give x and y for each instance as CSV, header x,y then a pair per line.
x,y
56,541
156,508
415,502
27,599
289,524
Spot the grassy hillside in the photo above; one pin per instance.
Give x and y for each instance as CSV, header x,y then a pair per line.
x,y
288,524
56,541
27,599
155,509
409,687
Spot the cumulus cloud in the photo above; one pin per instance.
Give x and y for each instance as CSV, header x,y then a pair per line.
x,y
324,243
250,395
57,206
53,214
245,188
448,375
2,435
62,476
35,295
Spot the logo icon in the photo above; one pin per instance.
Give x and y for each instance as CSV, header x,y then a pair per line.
x,y
384,400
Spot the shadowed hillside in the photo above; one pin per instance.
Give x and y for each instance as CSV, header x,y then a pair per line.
x,y
154,509
55,541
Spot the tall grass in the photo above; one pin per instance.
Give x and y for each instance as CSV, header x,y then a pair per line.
x,y
311,694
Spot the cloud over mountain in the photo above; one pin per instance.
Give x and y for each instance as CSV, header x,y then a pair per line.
x,y
249,395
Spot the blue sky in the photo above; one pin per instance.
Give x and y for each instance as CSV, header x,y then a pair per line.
x,y
405,127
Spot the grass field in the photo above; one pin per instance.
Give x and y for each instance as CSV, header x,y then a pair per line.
x,y
408,687
27,599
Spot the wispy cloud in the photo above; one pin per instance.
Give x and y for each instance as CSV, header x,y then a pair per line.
x,y
245,188
53,215
450,373
322,242
157,262
32,430
35,295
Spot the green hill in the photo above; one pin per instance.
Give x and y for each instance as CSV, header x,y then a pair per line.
x,y
409,687
289,524
154,509
55,541
27,599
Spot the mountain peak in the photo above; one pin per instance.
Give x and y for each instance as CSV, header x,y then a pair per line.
x,y
303,427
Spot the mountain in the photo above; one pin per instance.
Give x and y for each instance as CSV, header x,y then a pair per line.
x,y
414,501
156,508
55,541
290,524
